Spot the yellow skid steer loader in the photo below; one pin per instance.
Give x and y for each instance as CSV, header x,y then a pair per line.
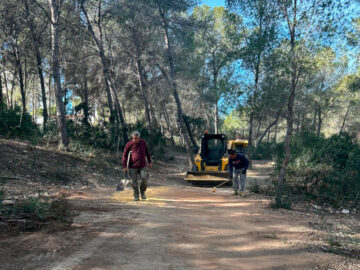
x,y
211,163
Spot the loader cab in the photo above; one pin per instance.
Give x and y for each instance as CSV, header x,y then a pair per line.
x,y
239,145
213,149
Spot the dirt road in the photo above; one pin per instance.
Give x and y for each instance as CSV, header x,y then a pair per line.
x,y
193,228
179,227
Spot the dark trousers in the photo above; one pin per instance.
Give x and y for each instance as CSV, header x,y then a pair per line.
x,y
136,175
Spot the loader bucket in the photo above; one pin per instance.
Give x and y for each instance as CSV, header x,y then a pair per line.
x,y
206,176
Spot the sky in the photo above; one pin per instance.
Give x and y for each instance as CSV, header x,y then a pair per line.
x,y
213,3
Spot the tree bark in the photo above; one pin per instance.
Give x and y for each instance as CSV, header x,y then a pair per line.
x,y
345,118
195,147
298,122
290,105
269,127
215,74
314,120
141,78
251,117
86,102
216,119
38,57
319,122
49,85
55,8
115,107
8,102
12,94
170,60
167,120
21,80
1,91
250,138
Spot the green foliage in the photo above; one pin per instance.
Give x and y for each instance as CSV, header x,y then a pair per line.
x,y
156,141
96,136
154,138
36,210
234,123
32,208
10,123
264,151
326,169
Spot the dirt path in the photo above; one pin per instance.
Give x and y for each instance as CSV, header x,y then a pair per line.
x,y
178,228
193,228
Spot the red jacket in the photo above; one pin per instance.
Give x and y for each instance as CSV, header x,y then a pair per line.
x,y
138,153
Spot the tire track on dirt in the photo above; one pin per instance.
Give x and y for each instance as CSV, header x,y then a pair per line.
x,y
86,251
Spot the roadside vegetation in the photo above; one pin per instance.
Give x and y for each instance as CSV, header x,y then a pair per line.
x,y
76,77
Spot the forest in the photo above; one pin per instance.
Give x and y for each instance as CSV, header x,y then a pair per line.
x,y
283,74
85,82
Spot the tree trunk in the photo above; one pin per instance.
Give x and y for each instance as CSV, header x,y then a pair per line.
x,y
345,118
314,120
206,115
55,8
110,91
319,122
195,147
38,61
8,102
1,91
290,105
86,102
250,138
216,119
298,122
269,127
21,81
275,133
12,94
49,85
253,102
166,116
141,78
174,86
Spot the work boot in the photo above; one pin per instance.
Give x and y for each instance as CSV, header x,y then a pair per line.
x,y
136,198
143,196
242,193
235,193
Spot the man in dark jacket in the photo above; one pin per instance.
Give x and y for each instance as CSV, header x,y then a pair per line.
x,y
238,165
137,165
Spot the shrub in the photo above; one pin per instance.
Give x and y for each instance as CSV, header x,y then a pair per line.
x,y
10,123
156,140
35,213
264,151
326,169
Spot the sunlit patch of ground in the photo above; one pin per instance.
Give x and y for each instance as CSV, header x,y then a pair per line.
x,y
154,196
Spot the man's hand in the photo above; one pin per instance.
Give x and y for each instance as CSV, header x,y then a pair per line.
x,y
150,165
126,170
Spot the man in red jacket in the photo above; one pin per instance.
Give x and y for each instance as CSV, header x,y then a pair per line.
x,y
137,164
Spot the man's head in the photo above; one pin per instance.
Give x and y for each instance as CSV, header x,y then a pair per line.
x,y
135,136
232,153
